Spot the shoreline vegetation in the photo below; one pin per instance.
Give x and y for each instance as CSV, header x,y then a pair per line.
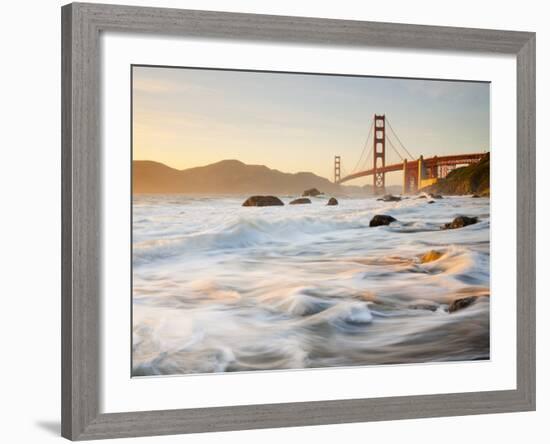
x,y
473,179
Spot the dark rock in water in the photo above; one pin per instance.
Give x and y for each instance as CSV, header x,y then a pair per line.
x,y
475,196
332,201
262,201
301,200
459,304
381,219
459,222
389,198
431,201
311,192
430,195
424,306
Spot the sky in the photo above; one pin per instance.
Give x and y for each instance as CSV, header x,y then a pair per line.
x,y
186,117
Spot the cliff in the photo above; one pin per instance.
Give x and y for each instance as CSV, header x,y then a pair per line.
x,y
472,179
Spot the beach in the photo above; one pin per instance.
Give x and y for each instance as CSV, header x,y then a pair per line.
x,y
218,287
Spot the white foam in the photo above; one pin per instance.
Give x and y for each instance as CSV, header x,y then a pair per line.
x,y
221,287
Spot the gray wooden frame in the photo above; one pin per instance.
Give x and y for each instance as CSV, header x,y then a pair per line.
x,y
81,171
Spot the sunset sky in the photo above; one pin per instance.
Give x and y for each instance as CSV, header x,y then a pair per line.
x,y
294,122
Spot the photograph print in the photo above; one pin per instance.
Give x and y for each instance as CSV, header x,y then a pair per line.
x,y
285,221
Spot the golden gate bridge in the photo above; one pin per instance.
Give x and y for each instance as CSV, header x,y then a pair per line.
x,y
417,173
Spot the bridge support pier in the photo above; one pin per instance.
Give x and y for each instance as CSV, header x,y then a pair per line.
x,y
410,176
426,176
421,172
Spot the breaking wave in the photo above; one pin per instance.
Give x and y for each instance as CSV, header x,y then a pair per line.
x,y
220,288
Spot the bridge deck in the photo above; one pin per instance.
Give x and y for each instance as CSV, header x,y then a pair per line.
x,y
431,162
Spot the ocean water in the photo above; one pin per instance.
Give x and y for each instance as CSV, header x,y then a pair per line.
x,y
218,287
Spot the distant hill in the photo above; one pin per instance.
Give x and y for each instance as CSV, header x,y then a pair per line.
x,y
472,179
226,177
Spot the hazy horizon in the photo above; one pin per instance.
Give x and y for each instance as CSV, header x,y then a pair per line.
x,y
187,118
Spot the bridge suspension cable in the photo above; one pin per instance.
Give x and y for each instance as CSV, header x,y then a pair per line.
x,y
391,145
344,172
368,157
364,148
399,140
413,174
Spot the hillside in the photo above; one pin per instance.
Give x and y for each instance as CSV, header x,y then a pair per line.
x,y
225,177
472,179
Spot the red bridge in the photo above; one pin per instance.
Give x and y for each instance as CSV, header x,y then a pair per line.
x,y
417,173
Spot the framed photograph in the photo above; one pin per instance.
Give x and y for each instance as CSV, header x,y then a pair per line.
x,y
278,221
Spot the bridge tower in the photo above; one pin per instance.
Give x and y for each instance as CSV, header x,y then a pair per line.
x,y
336,169
379,156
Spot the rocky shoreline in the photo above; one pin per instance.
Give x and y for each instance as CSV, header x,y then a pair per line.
x,y
317,282
378,220
384,220
473,179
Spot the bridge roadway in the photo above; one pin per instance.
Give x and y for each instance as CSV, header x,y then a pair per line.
x,y
428,163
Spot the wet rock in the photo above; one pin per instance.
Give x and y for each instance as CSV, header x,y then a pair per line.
x,y
431,256
381,219
424,306
332,201
431,201
262,201
301,200
389,198
422,196
311,192
435,196
459,304
475,196
459,222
